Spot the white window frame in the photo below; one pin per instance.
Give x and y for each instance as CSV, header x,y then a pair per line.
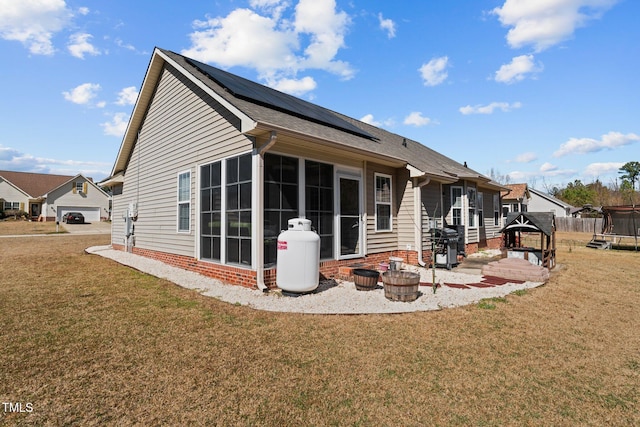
x,y
181,202
454,207
10,206
480,208
79,186
389,203
472,203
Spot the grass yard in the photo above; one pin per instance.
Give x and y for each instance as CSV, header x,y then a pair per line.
x,y
19,227
86,341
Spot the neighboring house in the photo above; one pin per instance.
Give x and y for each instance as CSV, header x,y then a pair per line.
x,y
515,198
46,197
542,202
212,166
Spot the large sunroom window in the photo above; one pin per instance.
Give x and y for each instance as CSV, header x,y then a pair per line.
x,y
280,199
238,210
319,203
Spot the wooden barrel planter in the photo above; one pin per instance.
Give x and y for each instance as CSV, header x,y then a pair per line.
x,y
401,285
365,279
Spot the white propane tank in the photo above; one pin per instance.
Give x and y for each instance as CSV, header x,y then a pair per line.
x,y
298,260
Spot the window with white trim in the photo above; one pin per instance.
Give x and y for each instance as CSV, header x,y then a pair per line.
x,y
184,202
11,206
383,202
496,209
472,200
480,209
456,205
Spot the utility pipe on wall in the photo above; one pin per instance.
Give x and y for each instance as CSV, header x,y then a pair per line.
x,y
417,206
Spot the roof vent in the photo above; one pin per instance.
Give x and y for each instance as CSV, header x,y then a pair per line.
x,y
404,142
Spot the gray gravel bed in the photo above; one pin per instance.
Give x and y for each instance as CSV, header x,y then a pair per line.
x,y
331,296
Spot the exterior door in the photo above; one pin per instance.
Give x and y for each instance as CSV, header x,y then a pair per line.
x,y
349,216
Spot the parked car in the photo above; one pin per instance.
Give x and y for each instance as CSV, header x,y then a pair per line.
x,y
73,218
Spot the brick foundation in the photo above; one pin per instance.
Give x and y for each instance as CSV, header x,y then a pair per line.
x,y
338,269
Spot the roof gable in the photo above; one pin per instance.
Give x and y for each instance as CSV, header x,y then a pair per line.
x,y
35,184
515,192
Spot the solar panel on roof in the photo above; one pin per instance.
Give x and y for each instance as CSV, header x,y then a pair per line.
x,y
257,93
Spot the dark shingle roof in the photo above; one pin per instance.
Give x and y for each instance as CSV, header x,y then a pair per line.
x,y
35,184
383,142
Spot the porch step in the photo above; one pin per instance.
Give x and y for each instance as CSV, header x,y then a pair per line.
x,y
346,272
516,269
599,244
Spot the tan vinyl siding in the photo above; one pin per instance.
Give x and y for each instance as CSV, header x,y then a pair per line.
x,y
381,241
406,217
490,230
184,128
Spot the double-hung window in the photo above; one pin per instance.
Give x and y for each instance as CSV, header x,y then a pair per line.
x,y
480,209
383,202
184,202
456,205
472,198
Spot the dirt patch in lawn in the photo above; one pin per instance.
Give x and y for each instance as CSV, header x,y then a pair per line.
x,y
87,341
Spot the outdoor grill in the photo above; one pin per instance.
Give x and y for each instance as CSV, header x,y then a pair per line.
x,y
446,247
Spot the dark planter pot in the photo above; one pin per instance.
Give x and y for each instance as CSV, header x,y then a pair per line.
x,y
365,279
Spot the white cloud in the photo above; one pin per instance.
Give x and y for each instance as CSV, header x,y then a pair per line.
x,y
517,69
83,94
416,119
127,96
15,160
117,126
79,44
294,86
598,169
387,25
33,22
548,167
434,72
277,47
526,157
368,118
545,23
608,141
83,10
490,108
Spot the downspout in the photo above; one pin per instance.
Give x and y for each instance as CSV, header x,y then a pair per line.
x,y
417,215
258,211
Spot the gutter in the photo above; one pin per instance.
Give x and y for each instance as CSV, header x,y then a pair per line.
x,y
417,211
258,211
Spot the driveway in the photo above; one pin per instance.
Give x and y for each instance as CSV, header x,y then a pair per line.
x,y
96,227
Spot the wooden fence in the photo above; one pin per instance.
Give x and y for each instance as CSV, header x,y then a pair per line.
x,y
579,225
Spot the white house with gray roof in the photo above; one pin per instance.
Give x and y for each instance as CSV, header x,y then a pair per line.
x,y
212,166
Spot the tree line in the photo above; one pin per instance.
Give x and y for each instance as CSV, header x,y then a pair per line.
x,y
596,193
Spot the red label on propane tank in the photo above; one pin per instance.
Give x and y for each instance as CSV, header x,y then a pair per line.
x,y
282,245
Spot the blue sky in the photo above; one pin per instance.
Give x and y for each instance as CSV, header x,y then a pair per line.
x,y
544,91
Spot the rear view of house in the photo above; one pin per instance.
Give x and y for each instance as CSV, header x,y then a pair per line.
x,y
212,166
